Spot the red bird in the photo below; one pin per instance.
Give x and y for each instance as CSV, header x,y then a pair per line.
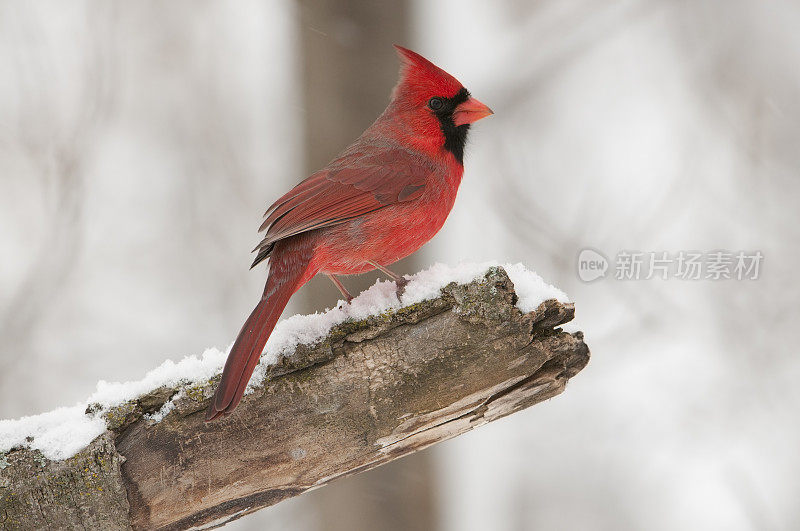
x,y
380,200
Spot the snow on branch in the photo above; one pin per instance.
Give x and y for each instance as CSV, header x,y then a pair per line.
x,y
335,393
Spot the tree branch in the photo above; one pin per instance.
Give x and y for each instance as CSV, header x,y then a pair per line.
x,y
370,392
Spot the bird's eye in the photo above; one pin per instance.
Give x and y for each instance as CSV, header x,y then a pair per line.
x,y
435,104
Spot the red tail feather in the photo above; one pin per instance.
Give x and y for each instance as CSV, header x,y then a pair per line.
x,y
287,274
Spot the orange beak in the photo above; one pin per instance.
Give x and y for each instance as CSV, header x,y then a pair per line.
x,y
470,111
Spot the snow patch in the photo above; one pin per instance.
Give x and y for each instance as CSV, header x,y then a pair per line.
x,y
168,406
189,370
61,433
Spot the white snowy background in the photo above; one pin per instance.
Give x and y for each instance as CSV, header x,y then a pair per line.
x,y
140,143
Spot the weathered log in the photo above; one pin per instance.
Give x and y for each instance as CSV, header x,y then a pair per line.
x,y
370,392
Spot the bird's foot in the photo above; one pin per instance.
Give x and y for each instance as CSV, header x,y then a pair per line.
x,y
342,289
401,283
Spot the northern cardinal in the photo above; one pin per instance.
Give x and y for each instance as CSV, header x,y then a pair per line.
x,y
380,200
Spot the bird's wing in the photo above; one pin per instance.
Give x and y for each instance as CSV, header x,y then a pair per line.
x,y
362,180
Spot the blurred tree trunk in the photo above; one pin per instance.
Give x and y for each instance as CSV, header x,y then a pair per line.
x,y
398,496
348,69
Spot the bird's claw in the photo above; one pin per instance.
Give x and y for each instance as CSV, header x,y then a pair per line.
x,y
401,283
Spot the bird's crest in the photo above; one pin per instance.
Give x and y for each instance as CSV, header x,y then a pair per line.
x,y
420,76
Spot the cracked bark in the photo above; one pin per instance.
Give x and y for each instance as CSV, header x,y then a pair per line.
x,y
371,392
